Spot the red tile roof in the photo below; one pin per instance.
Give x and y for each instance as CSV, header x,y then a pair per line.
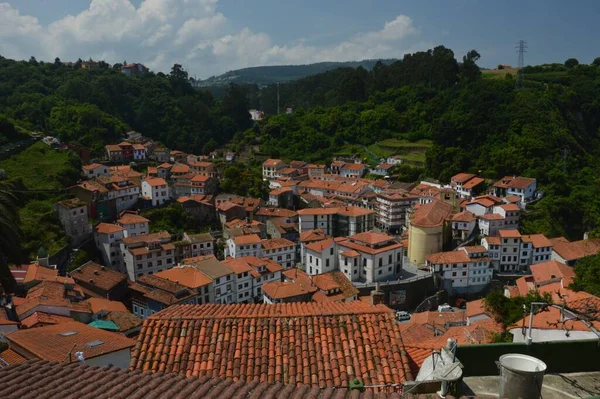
x,y
546,271
438,318
474,182
103,277
537,240
31,381
462,177
509,233
510,207
42,318
187,276
12,357
55,342
571,251
132,218
371,238
465,216
476,308
36,272
319,246
98,305
247,239
492,216
156,181
276,243
322,345
433,214
107,228
449,257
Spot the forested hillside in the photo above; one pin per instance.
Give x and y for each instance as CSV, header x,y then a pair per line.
x,y
548,128
95,107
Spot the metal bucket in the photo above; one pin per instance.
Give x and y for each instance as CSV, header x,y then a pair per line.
x,y
521,376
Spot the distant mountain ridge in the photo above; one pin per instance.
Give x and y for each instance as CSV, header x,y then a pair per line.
x,y
265,75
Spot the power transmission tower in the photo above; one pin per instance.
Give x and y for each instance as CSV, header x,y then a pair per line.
x,y
521,49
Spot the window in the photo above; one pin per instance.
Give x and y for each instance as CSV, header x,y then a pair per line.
x,y
159,262
149,264
317,261
453,274
310,258
380,262
310,270
168,260
331,251
464,273
390,259
379,272
139,266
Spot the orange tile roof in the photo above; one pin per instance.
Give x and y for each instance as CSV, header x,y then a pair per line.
x,y
492,216
537,240
524,285
512,198
12,357
475,249
465,216
287,289
132,218
237,266
276,243
574,250
178,168
510,207
552,269
476,308
350,253
492,240
92,166
413,334
47,343
482,201
353,166
416,356
98,305
551,319
371,238
144,238
156,181
509,233
44,319
247,239
4,321
107,228
319,246
276,212
186,275
474,182
297,343
432,214
438,318
449,257
273,162
462,177
36,272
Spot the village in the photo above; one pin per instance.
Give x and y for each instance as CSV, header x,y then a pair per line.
x,y
334,239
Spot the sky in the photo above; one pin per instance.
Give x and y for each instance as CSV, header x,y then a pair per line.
x,y
210,37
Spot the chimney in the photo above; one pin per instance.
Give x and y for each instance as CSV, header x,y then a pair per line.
x,y
102,268
377,296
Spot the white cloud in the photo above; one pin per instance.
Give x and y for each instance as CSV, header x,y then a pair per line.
x,y
160,33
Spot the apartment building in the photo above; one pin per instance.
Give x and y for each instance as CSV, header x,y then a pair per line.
x,y
73,216
464,271
246,245
94,170
280,250
467,185
365,257
337,221
224,279
522,187
509,251
147,254
391,208
133,224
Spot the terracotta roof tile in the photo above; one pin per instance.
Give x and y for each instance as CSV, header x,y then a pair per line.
x,y
465,216
371,238
462,177
313,235
492,216
474,182
156,181
98,305
132,218
41,379
509,233
36,272
107,228
276,243
103,277
537,240
319,246
12,357
124,320
322,345
186,275
449,257
552,269
574,250
40,318
475,308
54,342
247,239
432,214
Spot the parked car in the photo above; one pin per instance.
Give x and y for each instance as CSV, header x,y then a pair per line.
x,y
402,316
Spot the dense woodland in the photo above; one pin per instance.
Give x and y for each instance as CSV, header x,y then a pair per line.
x,y
546,128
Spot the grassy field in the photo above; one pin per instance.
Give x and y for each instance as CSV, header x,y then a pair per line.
x,y
411,151
499,73
41,168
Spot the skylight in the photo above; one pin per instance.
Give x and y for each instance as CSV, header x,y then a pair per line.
x,y
93,343
68,333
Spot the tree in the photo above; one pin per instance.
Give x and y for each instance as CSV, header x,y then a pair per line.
x,y
587,275
500,67
507,311
57,61
571,62
235,105
10,237
596,61
469,69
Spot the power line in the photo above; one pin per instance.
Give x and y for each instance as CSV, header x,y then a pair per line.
x,y
521,50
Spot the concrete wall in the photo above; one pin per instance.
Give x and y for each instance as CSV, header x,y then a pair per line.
x,y
423,242
118,359
416,292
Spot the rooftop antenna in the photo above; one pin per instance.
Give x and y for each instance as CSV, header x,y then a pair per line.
x,y
521,49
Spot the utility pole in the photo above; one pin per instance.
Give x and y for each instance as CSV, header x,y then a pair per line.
x,y
277,98
521,49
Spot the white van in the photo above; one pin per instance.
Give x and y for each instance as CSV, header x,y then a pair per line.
x,y
402,316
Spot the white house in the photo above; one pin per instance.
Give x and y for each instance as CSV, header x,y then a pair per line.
x,y
464,271
147,254
156,190
280,250
133,224
383,169
511,214
94,170
463,224
271,167
320,257
107,237
480,206
490,223
466,184
246,245
522,187
139,152
353,170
